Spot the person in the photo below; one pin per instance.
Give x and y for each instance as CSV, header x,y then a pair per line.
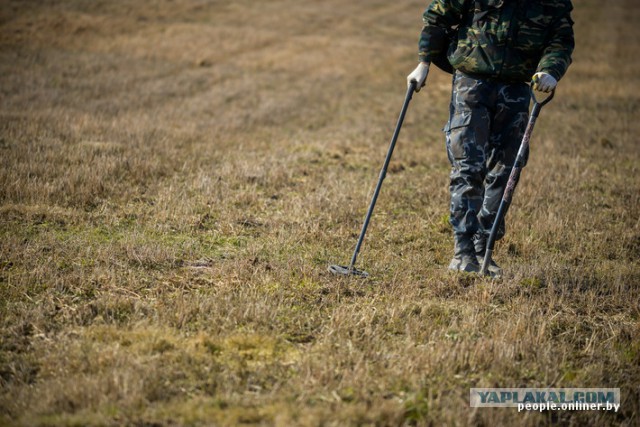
x,y
497,48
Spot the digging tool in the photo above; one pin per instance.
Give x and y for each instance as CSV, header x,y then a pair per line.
x,y
507,196
351,270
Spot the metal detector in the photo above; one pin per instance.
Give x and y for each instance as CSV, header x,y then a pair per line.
x,y
350,270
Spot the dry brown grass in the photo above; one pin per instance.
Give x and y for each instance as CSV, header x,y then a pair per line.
x,y
177,175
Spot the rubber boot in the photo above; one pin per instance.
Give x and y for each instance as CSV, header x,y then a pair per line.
x,y
480,246
464,257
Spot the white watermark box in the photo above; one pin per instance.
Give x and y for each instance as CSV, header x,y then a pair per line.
x,y
540,399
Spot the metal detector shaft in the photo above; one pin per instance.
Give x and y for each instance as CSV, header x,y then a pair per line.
x,y
383,172
514,177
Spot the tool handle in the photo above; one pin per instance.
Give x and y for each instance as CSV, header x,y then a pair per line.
x,y
535,100
514,177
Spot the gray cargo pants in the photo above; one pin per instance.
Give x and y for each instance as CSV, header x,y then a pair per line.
x,y
486,123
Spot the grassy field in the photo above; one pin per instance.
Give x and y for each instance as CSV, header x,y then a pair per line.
x,y
176,176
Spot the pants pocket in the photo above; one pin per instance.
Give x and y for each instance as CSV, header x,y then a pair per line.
x,y
455,128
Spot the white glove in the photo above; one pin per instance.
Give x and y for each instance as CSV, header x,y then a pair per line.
x,y
419,75
544,82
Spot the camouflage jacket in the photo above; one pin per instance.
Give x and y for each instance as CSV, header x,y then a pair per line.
x,y
508,40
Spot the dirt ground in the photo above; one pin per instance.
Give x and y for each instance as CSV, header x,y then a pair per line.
x,y
176,176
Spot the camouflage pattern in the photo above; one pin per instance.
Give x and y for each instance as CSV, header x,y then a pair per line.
x,y
508,40
486,123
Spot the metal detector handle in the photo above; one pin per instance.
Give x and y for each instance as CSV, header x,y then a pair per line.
x,y
383,172
413,85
